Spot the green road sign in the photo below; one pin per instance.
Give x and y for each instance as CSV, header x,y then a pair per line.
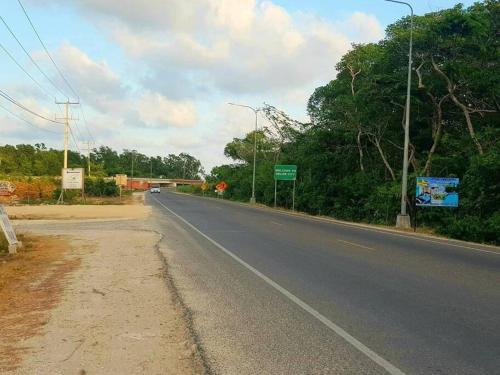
x,y
285,172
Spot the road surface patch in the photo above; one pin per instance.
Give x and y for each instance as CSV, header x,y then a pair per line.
x,y
385,364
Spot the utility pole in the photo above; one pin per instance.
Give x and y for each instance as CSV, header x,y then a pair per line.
x,y
132,178
88,155
66,119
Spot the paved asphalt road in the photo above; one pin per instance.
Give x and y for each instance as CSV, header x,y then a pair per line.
x,y
272,293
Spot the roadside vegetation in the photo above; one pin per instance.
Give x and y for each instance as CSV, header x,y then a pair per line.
x,y
38,160
35,171
349,156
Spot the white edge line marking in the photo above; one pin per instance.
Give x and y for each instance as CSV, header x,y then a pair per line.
x,y
276,223
356,244
444,241
390,368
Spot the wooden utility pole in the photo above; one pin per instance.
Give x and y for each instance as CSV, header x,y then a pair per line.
x,y
88,149
66,119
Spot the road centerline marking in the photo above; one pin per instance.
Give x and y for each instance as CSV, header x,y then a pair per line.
x,y
356,244
441,241
382,362
276,223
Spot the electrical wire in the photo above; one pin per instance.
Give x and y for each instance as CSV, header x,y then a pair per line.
x,y
25,71
57,68
31,58
59,71
74,140
86,123
79,133
15,102
26,121
47,51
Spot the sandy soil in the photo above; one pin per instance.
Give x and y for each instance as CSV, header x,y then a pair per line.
x,y
86,301
78,212
31,284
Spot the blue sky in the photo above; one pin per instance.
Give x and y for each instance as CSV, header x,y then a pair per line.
x,y
157,78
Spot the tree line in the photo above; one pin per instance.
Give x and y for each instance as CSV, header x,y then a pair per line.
x,y
349,156
38,160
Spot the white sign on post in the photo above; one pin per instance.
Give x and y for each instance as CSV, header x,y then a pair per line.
x,y
72,178
7,229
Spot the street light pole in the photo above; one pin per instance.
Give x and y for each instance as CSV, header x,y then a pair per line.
x,y
403,219
252,198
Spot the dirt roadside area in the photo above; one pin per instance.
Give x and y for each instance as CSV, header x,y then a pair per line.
x,y
90,301
78,212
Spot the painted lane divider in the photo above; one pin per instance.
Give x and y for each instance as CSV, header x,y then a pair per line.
x,y
356,244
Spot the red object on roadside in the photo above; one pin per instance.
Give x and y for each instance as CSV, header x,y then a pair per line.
x,y
221,186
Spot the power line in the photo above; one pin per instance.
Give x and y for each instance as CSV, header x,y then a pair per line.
x,y
79,133
57,68
29,56
46,50
26,121
86,123
15,102
24,70
74,140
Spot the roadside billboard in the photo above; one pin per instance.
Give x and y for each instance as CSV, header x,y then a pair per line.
x,y
437,192
72,178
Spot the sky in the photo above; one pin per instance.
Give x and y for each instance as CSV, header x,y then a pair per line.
x,y
156,75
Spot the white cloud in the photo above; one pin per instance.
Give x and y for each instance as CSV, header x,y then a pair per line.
x,y
362,27
156,110
87,74
184,56
236,16
243,46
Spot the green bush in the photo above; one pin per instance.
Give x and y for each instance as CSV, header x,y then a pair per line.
x,y
69,195
98,187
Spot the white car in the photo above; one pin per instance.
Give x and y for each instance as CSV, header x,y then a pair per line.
x,y
155,188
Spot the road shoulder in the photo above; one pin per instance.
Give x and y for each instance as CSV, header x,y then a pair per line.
x,y
112,311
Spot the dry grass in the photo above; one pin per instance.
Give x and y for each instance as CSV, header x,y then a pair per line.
x,y
31,284
4,245
125,199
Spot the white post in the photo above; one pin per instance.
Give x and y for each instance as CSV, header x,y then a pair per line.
x,y
275,190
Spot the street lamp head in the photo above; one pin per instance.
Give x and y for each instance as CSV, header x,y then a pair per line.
x,y
401,2
243,105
